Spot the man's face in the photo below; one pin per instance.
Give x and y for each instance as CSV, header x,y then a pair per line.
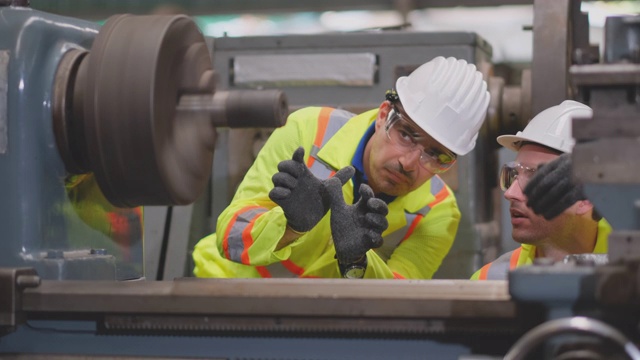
x,y
527,227
391,169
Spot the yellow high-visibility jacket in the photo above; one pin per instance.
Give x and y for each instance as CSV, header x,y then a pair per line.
x,y
92,222
422,224
524,255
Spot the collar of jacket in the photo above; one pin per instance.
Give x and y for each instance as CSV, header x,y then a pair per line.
x,y
602,244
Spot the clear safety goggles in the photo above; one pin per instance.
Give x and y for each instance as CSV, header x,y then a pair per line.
x,y
514,171
406,137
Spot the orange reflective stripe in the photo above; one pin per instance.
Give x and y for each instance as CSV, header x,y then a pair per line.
x,y
247,240
263,271
414,223
441,195
513,262
293,267
484,271
323,121
121,231
119,224
232,223
397,276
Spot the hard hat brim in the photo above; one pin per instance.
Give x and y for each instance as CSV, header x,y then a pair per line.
x,y
511,142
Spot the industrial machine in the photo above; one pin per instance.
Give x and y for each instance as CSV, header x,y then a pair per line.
x,y
96,123
584,295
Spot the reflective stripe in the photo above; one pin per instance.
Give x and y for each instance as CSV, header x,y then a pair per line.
x,y
394,239
282,269
438,190
498,269
238,235
125,226
263,271
330,121
323,120
513,262
483,272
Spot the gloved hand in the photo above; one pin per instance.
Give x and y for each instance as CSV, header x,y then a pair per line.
x,y
355,228
299,193
551,190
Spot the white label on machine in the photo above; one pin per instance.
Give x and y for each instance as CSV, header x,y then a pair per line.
x,y
358,69
4,81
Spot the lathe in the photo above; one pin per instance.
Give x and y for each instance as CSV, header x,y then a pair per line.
x,y
99,122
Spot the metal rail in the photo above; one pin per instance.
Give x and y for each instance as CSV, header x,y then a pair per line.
x,y
317,306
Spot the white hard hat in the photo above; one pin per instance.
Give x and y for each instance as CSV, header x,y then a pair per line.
x,y
448,99
551,127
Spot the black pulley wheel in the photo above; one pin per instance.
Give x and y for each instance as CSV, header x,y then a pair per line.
x,y
140,151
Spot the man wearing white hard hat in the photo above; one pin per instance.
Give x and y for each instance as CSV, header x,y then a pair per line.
x,y
391,215
550,215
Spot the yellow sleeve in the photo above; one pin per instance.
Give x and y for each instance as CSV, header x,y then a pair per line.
x,y
253,192
476,275
420,255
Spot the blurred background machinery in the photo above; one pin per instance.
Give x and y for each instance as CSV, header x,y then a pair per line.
x,y
102,127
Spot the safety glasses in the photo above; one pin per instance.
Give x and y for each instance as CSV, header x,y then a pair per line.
x,y
406,137
514,171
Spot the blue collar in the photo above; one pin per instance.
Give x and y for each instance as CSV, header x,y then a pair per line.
x,y
360,177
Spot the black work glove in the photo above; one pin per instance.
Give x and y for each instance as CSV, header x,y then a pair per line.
x,y
552,190
299,193
355,228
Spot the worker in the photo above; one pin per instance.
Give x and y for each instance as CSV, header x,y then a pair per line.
x,y
91,222
550,216
392,216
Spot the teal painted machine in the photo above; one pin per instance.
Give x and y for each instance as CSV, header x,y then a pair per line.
x,y
41,226
96,122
